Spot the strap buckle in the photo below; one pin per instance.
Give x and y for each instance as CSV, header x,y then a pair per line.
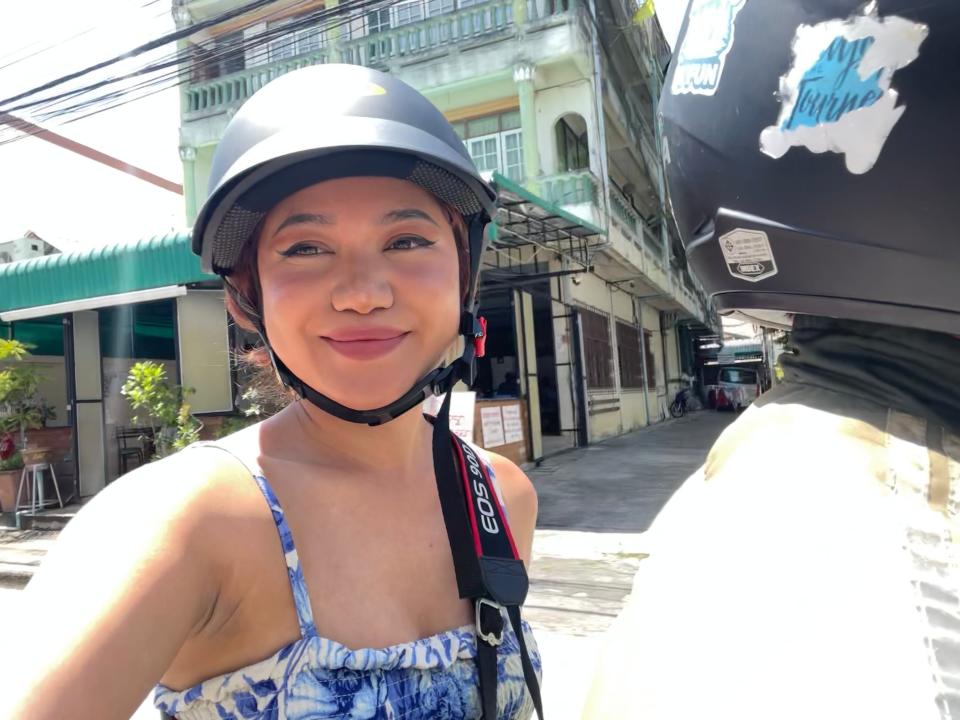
x,y
495,636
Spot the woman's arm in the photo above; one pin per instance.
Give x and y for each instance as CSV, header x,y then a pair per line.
x,y
129,580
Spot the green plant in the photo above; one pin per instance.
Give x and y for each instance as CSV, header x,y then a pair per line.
x,y
257,403
14,462
21,407
161,406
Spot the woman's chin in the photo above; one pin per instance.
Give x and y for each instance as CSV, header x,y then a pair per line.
x,y
364,397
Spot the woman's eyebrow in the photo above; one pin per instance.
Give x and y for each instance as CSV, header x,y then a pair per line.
x,y
304,218
406,214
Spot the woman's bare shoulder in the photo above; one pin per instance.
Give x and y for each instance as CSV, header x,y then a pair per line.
x,y
520,497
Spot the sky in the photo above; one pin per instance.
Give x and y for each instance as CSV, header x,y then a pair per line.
x,y
67,199
74,202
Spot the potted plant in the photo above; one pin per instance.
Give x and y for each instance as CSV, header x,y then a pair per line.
x,y
161,407
11,468
21,407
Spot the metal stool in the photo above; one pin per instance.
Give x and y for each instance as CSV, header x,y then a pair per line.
x,y
36,473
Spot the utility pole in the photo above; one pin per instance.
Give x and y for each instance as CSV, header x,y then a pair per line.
x,y
29,128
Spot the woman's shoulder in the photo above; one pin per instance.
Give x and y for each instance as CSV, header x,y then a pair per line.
x,y
519,496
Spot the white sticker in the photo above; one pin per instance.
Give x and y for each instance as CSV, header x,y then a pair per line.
x,y
492,423
748,254
837,94
707,41
512,426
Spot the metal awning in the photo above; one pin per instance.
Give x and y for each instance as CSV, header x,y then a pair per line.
x,y
111,275
524,219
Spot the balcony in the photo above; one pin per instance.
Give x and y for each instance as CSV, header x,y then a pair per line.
x,y
425,36
633,227
216,96
572,188
422,39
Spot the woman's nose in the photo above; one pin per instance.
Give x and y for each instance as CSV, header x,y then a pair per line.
x,y
362,288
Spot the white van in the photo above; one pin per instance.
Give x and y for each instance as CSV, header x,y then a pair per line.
x,y
737,387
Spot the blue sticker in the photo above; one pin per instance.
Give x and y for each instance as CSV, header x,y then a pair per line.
x,y
837,96
706,42
833,87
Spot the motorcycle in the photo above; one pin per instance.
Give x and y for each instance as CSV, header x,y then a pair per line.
x,y
679,405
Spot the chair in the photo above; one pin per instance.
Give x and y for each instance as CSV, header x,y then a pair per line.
x,y
36,474
130,444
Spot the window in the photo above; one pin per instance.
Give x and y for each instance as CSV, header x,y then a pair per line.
x,y
495,142
596,349
378,21
407,12
230,52
738,376
651,363
573,152
296,42
628,355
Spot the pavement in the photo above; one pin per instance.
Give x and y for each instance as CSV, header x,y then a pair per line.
x,y
595,505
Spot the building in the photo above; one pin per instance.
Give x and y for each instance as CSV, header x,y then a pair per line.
x,y
557,97
29,246
592,314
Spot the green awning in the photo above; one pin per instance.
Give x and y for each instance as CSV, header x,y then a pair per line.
x,y
512,194
155,262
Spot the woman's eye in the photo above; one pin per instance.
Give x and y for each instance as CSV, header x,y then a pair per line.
x,y
303,250
408,242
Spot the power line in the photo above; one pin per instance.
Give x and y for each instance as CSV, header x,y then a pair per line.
x,y
140,49
176,68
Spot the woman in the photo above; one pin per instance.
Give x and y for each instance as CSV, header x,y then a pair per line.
x,y
347,221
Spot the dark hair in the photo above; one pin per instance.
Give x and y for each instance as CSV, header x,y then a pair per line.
x,y
243,291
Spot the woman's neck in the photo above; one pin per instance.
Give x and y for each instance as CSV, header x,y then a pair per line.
x,y
311,435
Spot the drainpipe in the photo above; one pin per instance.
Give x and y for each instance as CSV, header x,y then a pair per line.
x,y
601,117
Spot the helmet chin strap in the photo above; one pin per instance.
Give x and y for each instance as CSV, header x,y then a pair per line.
x,y
437,382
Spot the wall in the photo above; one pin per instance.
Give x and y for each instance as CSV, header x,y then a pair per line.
x,y
567,92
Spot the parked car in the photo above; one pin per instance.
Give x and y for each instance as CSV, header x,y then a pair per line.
x,y
737,387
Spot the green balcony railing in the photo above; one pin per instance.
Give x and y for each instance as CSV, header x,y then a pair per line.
x,y
218,95
482,20
572,188
489,18
633,226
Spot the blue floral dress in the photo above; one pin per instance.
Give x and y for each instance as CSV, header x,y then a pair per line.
x,y
314,678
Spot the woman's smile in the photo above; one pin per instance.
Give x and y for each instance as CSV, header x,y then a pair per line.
x,y
360,343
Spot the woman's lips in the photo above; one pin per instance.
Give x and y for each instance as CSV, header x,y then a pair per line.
x,y
366,348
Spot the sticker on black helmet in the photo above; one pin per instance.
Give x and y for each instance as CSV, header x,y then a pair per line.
x,y
748,255
837,94
708,39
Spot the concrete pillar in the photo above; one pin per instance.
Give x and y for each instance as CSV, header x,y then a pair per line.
x,y
188,156
333,35
519,13
523,77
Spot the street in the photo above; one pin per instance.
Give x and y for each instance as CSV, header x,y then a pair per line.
x,y
595,504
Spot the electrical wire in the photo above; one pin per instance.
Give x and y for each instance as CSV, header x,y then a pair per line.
x,y
176,68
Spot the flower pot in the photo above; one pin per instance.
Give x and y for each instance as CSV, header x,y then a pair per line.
x,y
9,482
36,456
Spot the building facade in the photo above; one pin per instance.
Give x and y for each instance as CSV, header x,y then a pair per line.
x,y
556,100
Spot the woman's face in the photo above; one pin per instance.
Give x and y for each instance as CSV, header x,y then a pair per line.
x,y
360,287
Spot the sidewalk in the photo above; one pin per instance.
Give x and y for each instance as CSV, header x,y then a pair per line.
x,y
21,552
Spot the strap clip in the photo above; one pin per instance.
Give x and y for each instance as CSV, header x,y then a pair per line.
x,y
489,616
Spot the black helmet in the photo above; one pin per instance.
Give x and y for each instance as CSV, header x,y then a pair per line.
x,y
335,121
811,157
